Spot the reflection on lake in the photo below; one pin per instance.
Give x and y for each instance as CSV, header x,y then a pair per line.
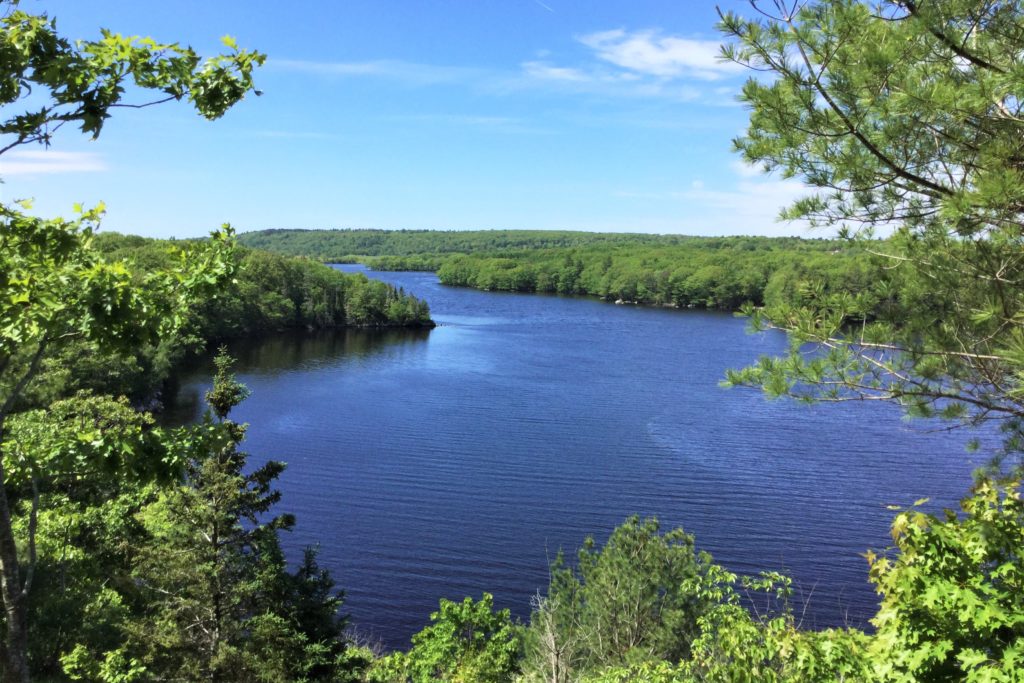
x,y
450,462
288,351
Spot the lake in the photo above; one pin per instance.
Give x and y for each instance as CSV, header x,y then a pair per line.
x,y
450,462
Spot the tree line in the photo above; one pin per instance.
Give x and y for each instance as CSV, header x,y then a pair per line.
x,y
673,270
274,292
339,246
684,276
267,293
134,552
130,551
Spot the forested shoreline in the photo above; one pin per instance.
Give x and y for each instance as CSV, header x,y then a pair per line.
x,y
339,246
134,552
663,270
268,293
155,550
274,292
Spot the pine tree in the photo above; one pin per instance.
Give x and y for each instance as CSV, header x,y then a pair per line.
x,y
221,604
905,117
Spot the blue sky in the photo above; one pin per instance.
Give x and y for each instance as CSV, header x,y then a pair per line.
x,y
472,114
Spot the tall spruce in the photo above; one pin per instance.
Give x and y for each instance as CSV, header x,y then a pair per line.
x,y
220,603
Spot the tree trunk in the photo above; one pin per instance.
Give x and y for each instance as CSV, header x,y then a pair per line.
x,y
15,651
12,591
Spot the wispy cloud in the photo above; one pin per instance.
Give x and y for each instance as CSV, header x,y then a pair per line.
x,y
745,170
752,207
650,53
493,124
748,205
533,75
547,72
645,63
595,80
45,162
410,73
616,63
763,197
635,194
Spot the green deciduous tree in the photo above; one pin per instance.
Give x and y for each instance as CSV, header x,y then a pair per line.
x,y
75,473
465,642
56,291
146,573
79,82
953,592
53,287
739,644
905,116
647,607
632,600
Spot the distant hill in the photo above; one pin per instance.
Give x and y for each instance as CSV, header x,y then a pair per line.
x,y
345,245
665,270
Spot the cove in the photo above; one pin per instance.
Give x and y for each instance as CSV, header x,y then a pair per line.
x,y
450,462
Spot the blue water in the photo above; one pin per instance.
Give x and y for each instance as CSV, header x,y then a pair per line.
x,y
456,461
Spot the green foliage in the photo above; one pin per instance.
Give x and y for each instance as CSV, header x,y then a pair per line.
x,y
79,82
115,667
202,572
227,392
82,595
466,642
60,298
637,599
671,270
261,292
407,263
84,438
185,580
344,246
144,575
752,652
739,646
647,607
56,294
274,292
56,288
721,273
953,592
905,116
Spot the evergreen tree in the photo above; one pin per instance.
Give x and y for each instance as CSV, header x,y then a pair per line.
x,y
53,290
220,604
906,116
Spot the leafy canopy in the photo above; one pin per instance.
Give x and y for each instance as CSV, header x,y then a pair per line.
x,y
54,289
905,117
953,592
81,81
465,641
